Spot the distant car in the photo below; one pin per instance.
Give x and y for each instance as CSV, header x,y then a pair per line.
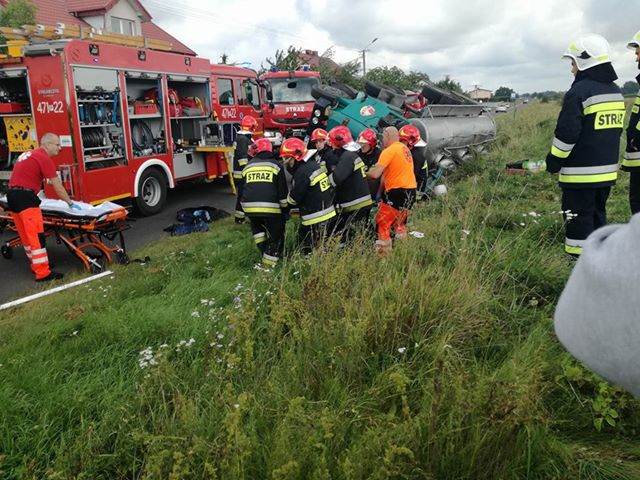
x,y
526,100
501,108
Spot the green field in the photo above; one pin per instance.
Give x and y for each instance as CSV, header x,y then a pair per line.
x,y
437,362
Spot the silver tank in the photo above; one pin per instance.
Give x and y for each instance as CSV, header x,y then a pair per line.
x,y
452,136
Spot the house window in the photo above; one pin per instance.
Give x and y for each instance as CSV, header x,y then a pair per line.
x,y
122,25
225,91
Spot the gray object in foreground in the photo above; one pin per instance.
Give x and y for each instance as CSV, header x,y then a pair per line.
x,y
598,316
46,293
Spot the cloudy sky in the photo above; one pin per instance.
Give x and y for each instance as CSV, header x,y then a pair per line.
x,y
516,43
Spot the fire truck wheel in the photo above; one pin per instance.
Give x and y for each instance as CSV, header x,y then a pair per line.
x,y
152,192
325,91
7,252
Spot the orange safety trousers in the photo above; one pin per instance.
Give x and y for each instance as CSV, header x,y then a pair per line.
x,y
390,219
30,227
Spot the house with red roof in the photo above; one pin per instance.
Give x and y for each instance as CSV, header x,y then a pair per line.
x,y
128,17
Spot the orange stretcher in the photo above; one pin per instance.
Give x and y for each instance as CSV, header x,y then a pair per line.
x,y
95,241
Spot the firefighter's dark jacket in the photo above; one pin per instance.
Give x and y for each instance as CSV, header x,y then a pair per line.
x,y
349,178
240,154
312,193
631,160
265,189
586,146
371,157
328,157
420,165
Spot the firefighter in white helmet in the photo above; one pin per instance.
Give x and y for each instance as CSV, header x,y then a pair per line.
x,y
631,160
586,146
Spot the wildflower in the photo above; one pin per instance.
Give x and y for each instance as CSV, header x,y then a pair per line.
x,y
220,336
466,232
402,350
236,405
296,273
74,333
522,224
195,314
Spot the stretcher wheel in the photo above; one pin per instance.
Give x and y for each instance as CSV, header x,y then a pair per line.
x,y
100,264
122,258
7,252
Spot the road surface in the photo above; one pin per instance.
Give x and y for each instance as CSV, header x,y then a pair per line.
x,y
16,279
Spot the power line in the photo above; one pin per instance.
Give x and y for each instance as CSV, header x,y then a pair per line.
x,y
191,13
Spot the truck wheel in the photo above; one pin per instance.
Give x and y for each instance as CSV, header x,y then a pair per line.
x,y
325,91
391,98
372,89
348,91
152,192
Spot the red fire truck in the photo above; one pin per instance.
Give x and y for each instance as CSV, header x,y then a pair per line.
x,y
132,122
289,105
235,93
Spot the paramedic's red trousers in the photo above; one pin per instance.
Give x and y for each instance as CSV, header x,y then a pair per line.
x,y
30,227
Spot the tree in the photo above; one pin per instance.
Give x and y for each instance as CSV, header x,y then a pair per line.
x,y
630,88
344,73
17,13
503,94
396,77
448,84
224,58
283,60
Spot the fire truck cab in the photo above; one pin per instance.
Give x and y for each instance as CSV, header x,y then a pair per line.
x,y
132,122
235,93
289,103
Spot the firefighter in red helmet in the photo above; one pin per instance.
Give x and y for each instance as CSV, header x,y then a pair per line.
x,y
370,152
410,136
248,126
353,198
311,192
264,200
326,156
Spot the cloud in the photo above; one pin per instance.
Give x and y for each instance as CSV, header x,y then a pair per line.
x,y
515,43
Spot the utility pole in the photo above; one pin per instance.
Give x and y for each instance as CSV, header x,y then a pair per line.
x,y
364,56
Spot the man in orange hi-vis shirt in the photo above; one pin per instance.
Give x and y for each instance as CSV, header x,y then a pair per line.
x,y
395,165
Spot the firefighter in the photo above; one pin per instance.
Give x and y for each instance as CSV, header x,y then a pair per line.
x,y
30,171
631,160
264,200
396,164
326,156
248,126
410,136
311,193
586,146
353,198
370,153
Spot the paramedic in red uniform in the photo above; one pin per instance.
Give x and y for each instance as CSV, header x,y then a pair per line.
x,y
30,171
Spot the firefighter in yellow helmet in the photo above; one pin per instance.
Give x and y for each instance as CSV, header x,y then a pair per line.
x,y
586,145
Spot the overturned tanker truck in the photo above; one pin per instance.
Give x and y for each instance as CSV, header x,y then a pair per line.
x,y
454,126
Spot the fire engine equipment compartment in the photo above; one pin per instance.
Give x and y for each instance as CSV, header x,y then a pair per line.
x,y
99,117
146,113
192,110
17,133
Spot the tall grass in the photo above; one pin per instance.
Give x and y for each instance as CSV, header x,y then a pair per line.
x,y
438,361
